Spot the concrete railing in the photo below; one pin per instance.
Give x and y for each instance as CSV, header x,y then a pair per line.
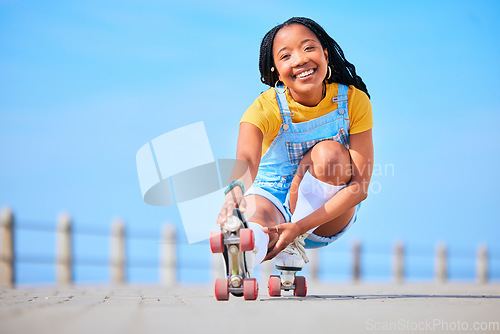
x,y
64,257
168,263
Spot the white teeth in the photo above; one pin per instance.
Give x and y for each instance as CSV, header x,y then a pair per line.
x,y
304,74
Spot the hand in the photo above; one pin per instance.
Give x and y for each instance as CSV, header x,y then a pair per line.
x,y
234,199
286,234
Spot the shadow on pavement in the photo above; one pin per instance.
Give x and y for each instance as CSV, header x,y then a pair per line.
x,y
382,296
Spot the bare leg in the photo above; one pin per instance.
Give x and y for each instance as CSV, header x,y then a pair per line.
x,y
329,162
263,212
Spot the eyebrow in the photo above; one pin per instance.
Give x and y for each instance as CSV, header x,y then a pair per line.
x,y
306,40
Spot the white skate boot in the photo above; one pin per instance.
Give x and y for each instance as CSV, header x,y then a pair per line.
x,y
289,261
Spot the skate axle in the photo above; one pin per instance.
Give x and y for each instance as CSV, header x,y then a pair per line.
x,y
236,281
236,290
232,240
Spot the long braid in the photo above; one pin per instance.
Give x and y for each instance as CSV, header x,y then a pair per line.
x,y
266,60
342,70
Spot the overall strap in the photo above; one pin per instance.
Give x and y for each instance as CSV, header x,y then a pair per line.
x,y
341,100
285,112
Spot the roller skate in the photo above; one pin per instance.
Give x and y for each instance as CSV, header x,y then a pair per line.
x,y
236,242
290,261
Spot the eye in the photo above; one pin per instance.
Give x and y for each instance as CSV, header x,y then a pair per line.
x,y
309,48
284,56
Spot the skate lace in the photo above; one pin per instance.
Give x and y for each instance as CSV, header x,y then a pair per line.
x,y
297,247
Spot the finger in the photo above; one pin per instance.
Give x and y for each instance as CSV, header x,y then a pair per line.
x,y
272,229
269,251
269,256
225,213
221,219
272,253
243,205
230,209
273,239
275,250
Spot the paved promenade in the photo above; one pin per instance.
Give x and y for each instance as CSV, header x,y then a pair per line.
x,y
328,308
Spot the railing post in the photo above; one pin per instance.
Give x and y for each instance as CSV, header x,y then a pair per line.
x,y
7,256
440,265
168,256
64,251
482,265
398,264
313,255
118,253
266,269
356,261
218,267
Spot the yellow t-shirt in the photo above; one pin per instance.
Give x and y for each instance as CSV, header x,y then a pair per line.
x,y
264,112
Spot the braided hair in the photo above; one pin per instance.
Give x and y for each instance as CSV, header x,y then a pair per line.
x,y
343,72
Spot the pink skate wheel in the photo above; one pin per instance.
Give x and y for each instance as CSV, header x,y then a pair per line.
x,y
274,286
247,242
250,289
222,289
216,242
300,286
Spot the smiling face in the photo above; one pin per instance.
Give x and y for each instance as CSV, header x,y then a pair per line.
x,y
301,63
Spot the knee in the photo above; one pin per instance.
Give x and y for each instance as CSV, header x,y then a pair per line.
x,y
329,152
262,211
330,162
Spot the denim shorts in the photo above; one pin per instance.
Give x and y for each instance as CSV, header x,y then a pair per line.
x,y
273,198
313,240
316,241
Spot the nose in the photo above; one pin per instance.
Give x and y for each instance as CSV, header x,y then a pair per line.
x,y
300,59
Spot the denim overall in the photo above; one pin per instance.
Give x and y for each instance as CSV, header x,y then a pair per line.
x,y
280,162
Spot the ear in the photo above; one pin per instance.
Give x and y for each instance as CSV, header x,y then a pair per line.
x,y
326,55
277,73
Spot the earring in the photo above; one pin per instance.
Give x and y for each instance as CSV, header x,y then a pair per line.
x,y
329,73
277,87
272,69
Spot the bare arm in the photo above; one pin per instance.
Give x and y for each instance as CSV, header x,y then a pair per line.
x,y
249,149
361,151
248,154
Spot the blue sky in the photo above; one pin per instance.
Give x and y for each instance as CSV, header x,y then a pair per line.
x,y
84,84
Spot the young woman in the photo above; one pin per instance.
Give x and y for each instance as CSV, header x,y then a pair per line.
x,y
307,142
